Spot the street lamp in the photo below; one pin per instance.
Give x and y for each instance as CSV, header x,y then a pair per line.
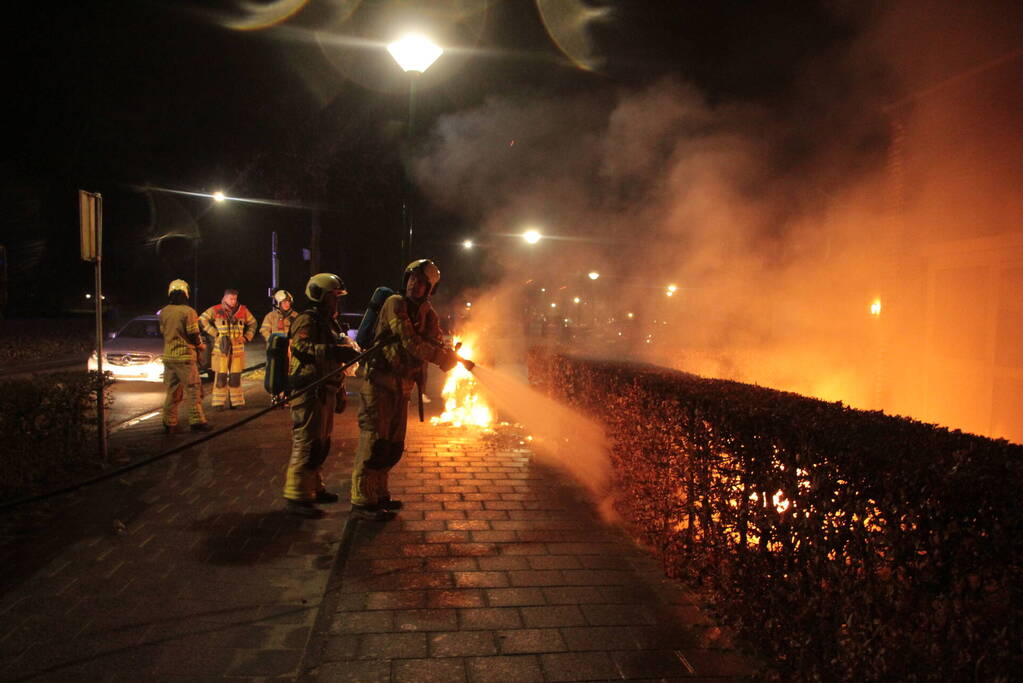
x,y
467,244
219,196
593,275
414,53
532,236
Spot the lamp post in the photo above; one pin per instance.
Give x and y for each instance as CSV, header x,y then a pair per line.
x,y
414,53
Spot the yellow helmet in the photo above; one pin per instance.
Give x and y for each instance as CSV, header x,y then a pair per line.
x,y
177,286
321,283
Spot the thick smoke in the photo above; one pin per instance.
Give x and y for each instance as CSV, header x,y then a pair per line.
x,y
780,225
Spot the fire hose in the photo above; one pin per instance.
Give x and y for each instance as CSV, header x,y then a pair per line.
x,y
274,404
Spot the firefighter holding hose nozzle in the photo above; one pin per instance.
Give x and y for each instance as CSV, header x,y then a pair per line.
x,y
390,376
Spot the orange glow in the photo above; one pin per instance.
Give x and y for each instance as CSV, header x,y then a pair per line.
x,y
463,402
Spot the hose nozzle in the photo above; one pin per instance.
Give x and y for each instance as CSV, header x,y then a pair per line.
x,y
469,365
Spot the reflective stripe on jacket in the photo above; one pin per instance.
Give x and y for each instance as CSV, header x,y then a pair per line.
x,y
239,326
179,325
419,336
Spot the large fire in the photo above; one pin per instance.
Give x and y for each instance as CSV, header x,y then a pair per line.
x,y
463,401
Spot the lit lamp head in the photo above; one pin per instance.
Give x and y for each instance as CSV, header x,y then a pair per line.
x,y
415,52
532,236
219,196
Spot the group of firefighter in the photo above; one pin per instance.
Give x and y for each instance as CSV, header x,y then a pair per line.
x,y
407,336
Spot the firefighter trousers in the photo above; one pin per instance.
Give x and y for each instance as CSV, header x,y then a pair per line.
x,y
177,377
383,418
227,382
312,420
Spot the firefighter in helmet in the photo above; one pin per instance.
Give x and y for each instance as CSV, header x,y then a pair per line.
x,y
182,344
231,325
390,376
317,349
281,317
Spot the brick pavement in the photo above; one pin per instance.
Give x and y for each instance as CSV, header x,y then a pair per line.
x,y
187,568
498,569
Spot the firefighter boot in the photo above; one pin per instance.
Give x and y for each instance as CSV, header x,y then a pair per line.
x,y
325,496
304,508
372,513
388,503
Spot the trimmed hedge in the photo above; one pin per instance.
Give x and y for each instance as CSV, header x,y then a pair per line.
x,y
48,430
846,544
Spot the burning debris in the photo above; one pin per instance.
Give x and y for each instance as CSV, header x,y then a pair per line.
x,y
463,399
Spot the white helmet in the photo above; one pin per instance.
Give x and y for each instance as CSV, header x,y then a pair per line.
x,y
280,296
177,286
321,283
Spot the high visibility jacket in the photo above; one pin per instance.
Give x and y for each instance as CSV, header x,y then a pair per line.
x,y
239,326
419,337
179,325
277,321
315,338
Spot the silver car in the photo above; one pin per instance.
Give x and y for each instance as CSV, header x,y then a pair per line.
x,y
134,352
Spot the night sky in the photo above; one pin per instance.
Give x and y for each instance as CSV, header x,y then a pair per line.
x,y
118,96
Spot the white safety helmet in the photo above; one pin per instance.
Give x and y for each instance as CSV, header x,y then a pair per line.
x,y
321,283
280,296
177,286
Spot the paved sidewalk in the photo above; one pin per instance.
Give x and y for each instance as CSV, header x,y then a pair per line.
x,y
498,569
185,569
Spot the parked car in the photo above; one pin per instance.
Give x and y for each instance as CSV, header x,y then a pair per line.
x,y
134,352
349,323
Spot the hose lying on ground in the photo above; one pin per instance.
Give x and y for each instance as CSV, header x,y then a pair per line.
x,y
10,505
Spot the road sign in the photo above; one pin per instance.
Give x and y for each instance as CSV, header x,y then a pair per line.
x,y
90,208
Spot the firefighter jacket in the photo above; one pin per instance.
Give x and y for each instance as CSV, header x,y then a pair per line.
x,y
318,347
418,333
179,325
277,321
237,325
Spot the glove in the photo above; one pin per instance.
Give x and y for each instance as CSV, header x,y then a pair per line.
x,y
344,354
446,358
224,344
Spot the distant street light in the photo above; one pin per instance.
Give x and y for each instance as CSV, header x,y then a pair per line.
x,y
532,236
414,53
575,300
219,196
467,244
672,288
593,275
875,308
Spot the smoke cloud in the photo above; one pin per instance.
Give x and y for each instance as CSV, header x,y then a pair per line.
x,y
887,175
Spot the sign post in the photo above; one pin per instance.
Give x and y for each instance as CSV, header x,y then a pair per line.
x,y
90,206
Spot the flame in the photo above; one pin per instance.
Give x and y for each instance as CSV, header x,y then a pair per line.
x,y
463,401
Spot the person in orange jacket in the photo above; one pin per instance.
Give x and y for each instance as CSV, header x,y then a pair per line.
x,y
231,325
